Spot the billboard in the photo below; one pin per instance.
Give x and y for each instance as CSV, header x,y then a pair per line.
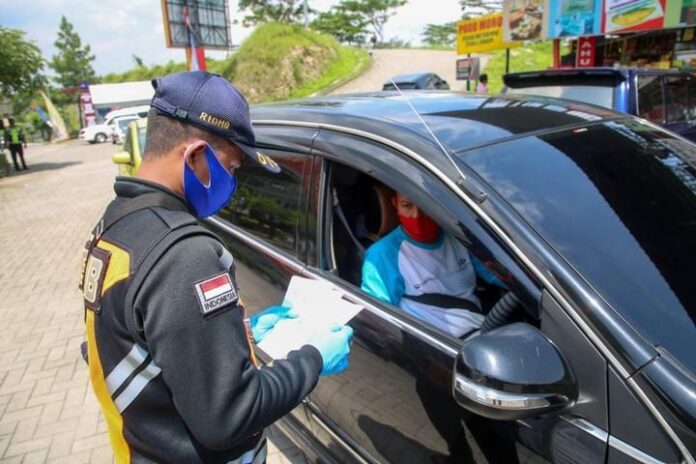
x,y
525,19
633,15
481,34
550,19
209,19
573,18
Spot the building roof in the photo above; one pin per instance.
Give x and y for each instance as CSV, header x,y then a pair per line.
x,y
122,94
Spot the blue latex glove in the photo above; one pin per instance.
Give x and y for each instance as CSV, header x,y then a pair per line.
x,y
263,322
334,347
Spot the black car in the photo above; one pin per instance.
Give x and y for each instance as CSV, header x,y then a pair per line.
x,y
664,96
587,216
416,81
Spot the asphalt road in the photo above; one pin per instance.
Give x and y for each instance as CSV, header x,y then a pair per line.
x,y
388,63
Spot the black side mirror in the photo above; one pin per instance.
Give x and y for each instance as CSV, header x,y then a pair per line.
x,y
512,372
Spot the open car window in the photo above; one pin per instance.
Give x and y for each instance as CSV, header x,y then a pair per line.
x,y
362,221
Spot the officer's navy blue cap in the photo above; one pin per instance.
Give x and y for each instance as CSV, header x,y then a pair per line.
x,y
210,102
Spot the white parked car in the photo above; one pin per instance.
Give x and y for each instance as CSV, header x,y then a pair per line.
x,y
100,133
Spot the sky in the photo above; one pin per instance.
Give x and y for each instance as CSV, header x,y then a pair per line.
x,y
118,29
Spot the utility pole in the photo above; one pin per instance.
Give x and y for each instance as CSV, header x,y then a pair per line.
x,y
304,9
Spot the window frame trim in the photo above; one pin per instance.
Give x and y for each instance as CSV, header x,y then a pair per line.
x,y
327,248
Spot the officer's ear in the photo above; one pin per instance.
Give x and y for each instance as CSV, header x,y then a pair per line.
x,y
194,157
194,154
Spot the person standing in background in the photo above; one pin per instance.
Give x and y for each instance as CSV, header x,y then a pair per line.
x,y
482,86
4,165
15,139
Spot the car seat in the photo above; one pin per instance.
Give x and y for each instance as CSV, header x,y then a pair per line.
x,y
363,213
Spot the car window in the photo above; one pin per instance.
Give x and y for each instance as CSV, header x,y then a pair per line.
x,y
362,227
650,102
593,94
618,201
676,99
267,204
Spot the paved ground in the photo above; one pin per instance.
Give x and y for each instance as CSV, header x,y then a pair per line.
x,y
388,63
47,409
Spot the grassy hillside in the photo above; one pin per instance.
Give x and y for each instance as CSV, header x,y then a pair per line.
x,y
280,61
529,57
275,62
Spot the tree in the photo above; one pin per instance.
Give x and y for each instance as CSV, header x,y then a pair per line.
x,y
266,11
20,63
345,26
440,34
375,12
72,62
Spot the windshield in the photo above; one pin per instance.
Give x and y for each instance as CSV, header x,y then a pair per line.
x,y
618,201
593,94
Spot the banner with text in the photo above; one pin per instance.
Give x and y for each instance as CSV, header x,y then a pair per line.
x,y
481,34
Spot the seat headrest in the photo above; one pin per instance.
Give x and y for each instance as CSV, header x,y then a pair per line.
x,y
381,215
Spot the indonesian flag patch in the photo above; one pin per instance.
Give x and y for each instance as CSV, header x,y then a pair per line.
x,y
215,293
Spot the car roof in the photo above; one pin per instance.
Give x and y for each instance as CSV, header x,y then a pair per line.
x,y
460,121
410,77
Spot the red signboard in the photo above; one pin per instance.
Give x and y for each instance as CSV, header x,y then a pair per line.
x,y
88,112
586,52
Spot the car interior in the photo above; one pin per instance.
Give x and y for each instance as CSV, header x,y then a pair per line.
x,y
362,213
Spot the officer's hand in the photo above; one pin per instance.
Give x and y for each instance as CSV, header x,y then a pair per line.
x,y
334,347
263,322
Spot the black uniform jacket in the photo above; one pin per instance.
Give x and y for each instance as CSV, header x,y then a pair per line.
x,y
170,359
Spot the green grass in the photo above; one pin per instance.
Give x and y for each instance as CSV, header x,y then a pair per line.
x,y
281,61
529,57
349,64
277,61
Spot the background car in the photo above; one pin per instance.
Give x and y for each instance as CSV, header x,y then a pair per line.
x,y
128,159
118,128
665,97
585,214
419,81
100,133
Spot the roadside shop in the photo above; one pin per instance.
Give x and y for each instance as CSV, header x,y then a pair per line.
x,y
657,34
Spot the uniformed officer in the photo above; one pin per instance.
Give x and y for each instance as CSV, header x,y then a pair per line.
x,y
17,142
167,347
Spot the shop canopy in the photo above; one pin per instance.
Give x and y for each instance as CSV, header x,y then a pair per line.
x,y
121,95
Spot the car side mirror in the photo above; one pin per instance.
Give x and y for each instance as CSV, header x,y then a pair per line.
x,y
121,157
511,373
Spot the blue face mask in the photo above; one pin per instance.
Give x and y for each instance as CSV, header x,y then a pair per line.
x,y
208,200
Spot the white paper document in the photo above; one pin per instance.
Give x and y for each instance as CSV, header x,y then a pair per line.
x,y
319,306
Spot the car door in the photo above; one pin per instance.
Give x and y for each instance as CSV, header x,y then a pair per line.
x,y
264,224
394,403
